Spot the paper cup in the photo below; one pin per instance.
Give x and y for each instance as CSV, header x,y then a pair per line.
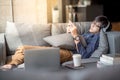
x,y
76,60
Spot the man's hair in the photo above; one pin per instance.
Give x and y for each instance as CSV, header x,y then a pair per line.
x,y
104,22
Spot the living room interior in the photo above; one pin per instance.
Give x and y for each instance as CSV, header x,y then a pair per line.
x,y
50,14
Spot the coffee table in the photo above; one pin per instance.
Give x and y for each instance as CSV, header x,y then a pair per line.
x,y
90,72
85,64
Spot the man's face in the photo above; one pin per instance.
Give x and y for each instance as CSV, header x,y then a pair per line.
x,y
95,27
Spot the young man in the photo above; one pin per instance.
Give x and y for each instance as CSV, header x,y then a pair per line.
x,y
91,38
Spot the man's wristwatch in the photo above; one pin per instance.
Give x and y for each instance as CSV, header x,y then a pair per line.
x,y
77,38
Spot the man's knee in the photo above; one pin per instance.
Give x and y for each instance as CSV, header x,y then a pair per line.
x,y
20,47
25,47
65,55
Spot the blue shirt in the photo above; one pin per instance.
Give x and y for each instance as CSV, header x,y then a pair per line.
x,y
92,41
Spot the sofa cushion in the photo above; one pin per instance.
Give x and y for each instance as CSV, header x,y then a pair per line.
x,y
64,41
40,31
103,45
59,28
12,37
18,34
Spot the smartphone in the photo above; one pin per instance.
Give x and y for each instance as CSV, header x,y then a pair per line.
x,y
70,23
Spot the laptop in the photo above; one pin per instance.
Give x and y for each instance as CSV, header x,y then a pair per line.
x,y
42,59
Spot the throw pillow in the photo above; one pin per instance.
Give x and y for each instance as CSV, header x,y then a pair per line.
x,y
12,37
103,45
40,31
18,34
64,41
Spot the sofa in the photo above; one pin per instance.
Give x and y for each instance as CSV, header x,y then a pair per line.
x,y
18,34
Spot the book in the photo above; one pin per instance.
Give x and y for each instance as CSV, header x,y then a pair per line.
x,y
109,61
111,56
100,64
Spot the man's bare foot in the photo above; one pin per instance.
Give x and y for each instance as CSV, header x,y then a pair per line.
x,y
6,67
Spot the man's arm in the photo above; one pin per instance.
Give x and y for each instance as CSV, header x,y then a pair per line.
x,y
90,48
72,29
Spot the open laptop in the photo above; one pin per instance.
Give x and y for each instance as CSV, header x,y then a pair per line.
x,y
42,59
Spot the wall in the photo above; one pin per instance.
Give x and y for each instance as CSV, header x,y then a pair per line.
x,y
23,11
5,13
26,11
30,11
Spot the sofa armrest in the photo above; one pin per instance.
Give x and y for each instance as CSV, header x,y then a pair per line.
x,y
114,41
2,49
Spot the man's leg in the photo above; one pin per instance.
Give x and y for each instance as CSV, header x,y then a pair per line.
x,y
18,57
65,55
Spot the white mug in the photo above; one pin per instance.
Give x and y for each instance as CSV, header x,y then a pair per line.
x,y
76,60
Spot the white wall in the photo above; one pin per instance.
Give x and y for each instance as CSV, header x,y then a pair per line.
x,y
24,11
30,11
5,13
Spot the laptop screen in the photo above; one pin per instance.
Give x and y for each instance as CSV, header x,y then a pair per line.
x,y
47,59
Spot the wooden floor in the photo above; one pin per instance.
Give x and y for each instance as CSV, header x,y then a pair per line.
x,y
116,26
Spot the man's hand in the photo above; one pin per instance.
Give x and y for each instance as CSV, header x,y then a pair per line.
x,y
72,29
6,67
